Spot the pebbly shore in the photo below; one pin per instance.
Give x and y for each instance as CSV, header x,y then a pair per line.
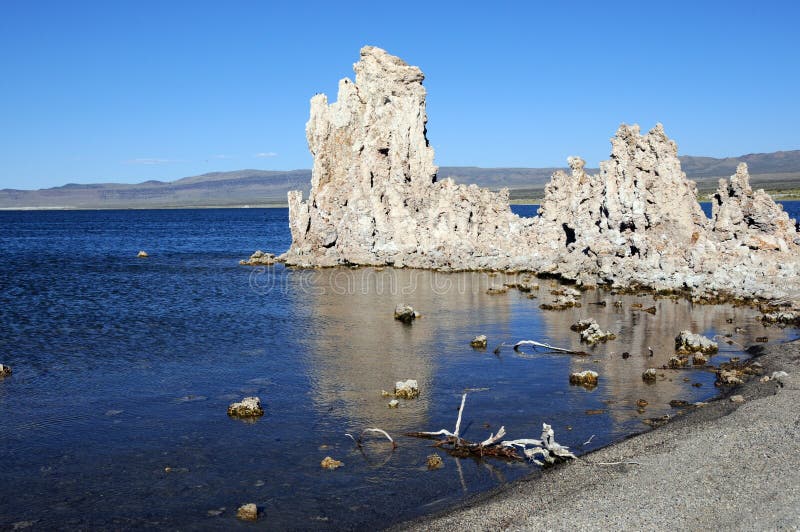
x,y
727,465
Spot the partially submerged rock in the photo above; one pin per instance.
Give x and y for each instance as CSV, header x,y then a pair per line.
x,y
591,332
782,317
394,403
687,342
586,378
479,342
729,377
259,258
408,389
405,313
650,375
330,464
678,362
434,461
142,255
561,303
247,512
5,371
247,407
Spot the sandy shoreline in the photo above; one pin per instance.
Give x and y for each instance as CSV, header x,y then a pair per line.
x,y
722,466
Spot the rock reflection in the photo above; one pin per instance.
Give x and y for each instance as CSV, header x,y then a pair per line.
x,y
357,349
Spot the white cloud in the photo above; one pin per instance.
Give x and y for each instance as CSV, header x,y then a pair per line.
x,y
266,154
222,156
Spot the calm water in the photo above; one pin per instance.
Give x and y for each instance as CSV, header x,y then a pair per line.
x,y
124,367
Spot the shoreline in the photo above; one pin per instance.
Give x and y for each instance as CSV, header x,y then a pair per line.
x,y
723,465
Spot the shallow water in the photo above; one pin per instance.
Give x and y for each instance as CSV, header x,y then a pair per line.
x,y
124,367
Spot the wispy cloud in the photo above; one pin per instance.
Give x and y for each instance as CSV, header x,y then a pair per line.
x,y
222,156
266,154
151,160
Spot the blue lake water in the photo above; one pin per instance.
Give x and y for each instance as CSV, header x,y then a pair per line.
x,y
115,416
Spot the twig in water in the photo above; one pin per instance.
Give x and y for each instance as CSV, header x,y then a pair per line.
x,y
587,442
535,344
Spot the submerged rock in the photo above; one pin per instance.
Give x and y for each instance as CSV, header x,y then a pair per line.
x,y
408,389
405,313
247,512
687,342
5,371
479,341
247,407
587,378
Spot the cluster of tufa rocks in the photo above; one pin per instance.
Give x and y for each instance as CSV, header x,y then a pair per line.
x,y
405,313
591,332
376,199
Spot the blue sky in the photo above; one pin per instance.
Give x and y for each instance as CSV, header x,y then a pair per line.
x,y
130,91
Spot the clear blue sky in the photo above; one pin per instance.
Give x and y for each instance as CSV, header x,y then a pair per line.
x,y
129,91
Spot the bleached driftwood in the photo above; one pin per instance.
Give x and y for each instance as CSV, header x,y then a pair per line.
x,y
549,450
535,344
382,432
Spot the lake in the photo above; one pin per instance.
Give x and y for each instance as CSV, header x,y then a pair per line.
x,y
115,415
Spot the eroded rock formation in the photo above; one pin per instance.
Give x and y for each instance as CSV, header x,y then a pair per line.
x,y
375,199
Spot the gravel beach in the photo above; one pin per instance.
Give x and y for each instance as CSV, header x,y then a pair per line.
x,y
725,465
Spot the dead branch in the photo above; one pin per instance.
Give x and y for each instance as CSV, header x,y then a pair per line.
x,y
360,439
535,344
546,448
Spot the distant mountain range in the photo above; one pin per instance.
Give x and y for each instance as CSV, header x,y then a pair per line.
x,y
778,171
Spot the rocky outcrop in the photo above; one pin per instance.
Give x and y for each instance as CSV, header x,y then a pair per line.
x,y
375,200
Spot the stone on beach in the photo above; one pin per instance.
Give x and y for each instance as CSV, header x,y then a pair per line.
x,y
408,389
247,407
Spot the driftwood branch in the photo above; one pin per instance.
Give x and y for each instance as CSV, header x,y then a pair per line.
x,y
535,344
382,432
546,448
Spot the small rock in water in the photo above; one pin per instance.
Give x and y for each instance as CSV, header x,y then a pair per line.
x,y
330,463
561,303
394,403
699,359
434,461
142,255
479,341
496,290
641,403
678,362
678,403
687,342
626,355
594,334
762,339
384,393
737,399
649,375
5,371
404,313
259,258
408,389
587,378
216,512
247,407
247,512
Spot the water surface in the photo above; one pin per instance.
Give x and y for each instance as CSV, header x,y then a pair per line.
x,y
124,367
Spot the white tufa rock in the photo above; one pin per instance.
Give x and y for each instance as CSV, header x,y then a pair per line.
x,y
687,342
376,200
247,407
408,389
